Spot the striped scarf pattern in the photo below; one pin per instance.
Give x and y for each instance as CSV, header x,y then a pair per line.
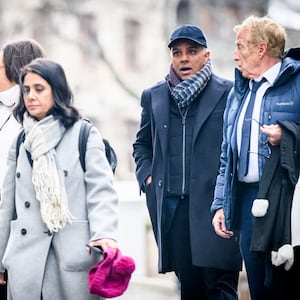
x,y
184,92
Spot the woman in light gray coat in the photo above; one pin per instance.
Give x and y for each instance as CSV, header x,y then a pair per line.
x,y
51,209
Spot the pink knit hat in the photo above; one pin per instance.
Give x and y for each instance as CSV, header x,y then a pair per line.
x,y
110,277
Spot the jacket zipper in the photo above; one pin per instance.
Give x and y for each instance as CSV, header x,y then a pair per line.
x,y
183,119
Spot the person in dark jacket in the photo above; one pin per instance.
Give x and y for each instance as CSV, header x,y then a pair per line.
x,y
260,56
276,228
176,153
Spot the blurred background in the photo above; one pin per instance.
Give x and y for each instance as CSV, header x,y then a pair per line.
x,y
111,50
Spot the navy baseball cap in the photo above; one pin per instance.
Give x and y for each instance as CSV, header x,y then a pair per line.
x,y
190,32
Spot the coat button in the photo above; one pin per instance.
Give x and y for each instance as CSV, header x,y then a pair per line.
x,y
48,232
23,231
18,174
65,173
27,204
160,183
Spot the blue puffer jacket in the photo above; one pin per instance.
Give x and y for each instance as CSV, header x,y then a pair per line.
x,y
280,102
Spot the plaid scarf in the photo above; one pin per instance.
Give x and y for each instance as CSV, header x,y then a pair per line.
x,y
184,92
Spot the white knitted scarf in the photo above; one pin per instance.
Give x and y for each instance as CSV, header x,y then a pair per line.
x,y
41,138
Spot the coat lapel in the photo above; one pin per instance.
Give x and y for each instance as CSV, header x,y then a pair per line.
x,y
212,95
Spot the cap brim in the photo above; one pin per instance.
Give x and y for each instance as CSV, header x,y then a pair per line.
x,y
185,38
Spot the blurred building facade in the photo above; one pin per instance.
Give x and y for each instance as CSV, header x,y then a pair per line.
x,y
112,49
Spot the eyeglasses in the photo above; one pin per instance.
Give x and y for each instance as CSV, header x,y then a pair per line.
x,y
266,151
266,148
261,125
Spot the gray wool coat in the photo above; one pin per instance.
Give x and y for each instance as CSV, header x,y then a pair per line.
x,y
56,265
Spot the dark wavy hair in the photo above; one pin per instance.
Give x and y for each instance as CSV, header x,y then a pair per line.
x,y
54,74
17,54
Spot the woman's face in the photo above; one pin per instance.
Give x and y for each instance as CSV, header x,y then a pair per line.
x,y
37,93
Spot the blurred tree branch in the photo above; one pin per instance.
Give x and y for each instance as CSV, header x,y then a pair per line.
x,y
91,45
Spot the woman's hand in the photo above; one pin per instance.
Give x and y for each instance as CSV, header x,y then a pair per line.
x,y
104,244
219,225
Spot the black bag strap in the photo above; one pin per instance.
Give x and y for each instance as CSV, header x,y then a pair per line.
x,y
84,132
110,153
82,141
20,140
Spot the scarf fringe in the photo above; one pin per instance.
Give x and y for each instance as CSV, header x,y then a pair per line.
x,y
53,200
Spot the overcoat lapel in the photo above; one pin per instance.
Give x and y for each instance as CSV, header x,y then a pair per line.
x,y
214,93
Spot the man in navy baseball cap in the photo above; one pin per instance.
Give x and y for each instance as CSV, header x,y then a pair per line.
x,y
177,163
190,32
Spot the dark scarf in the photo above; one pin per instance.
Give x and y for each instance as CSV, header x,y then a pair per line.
x,y
184,92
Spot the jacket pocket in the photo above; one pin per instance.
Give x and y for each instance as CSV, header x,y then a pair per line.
x,y
73,240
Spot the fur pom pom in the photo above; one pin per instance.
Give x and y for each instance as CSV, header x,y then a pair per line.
x,y
260,207
284,255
